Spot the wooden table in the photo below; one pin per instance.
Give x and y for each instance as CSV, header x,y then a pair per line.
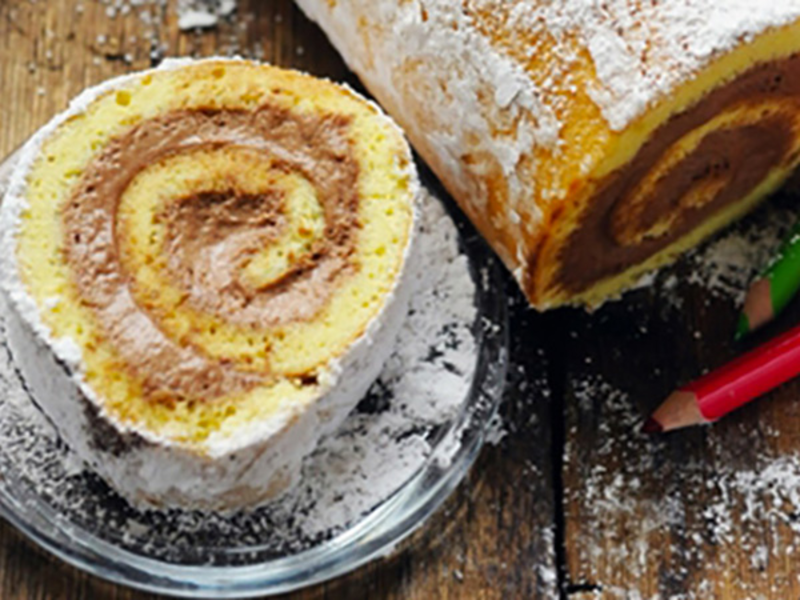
x,y
572,502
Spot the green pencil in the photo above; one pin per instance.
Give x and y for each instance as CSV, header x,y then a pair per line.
x,y
773,288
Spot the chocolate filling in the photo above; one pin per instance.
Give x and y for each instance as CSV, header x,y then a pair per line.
x,y
225,225
726,165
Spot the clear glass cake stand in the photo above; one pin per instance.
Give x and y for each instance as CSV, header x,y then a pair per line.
x,y
48,495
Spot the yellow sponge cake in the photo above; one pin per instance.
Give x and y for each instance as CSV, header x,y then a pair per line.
x,y
207,264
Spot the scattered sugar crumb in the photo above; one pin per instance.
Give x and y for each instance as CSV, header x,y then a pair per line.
x,y
200,14
496,430
631,499
726,266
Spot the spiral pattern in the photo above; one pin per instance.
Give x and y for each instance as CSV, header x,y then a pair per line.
x,y
698,168
226,233
738,143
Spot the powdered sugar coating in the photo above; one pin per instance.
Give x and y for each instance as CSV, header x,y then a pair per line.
x,y
193,14
719,509
154,469
498,96
642,50
443,35
422,389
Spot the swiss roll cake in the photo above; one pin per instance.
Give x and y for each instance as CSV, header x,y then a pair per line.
x,y
207,265
590,142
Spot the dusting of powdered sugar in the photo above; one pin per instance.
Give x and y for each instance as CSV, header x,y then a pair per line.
x,y
641,51
730,505
482,85
198,14
727,264
486,106
407,418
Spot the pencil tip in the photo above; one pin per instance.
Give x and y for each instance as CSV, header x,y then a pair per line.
x,y
652,426
742,328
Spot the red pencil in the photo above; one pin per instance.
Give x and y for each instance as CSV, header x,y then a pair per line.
x,y
729,387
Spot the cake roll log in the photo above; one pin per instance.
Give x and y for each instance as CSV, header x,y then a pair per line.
x,y
208,264
590,142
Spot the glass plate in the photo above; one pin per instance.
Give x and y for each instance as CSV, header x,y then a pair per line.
x,y
395,460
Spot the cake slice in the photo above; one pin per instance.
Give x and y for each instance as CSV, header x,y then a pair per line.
x,y
207,265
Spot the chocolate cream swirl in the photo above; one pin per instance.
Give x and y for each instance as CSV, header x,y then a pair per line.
x,y
211,235
700,161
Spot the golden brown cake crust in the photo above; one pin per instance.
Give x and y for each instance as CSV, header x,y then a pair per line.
x,y
524,107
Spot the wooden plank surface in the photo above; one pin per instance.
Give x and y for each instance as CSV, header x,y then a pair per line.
x,y
494,539
573,502
707,512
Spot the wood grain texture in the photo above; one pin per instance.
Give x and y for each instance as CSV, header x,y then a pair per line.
x,y
702,512
494,539
573,502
